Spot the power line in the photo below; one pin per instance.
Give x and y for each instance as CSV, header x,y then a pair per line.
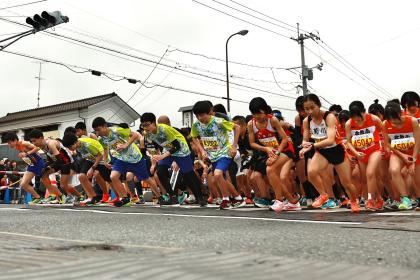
x,y
352,66
167,44
256,25
285,23
141,84
248,14
348,77
25,4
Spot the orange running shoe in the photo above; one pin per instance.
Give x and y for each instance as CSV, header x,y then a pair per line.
x,y
379,205
105,198
370,205
320,200
355,208
249,201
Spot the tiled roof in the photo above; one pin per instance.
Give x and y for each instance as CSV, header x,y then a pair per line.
x,y
58,108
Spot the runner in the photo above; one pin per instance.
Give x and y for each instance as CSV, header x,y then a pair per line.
x,y
58,159
325,148
91,152
404,135
29,154
278,159
410,101
175,149
363,139
82,132
125,156
215,146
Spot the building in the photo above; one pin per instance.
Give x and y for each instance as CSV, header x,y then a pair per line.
x,y
54,119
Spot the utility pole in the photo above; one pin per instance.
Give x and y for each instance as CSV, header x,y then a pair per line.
x,y
307,73
39,82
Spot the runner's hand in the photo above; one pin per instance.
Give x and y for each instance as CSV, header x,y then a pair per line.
x,y
411,168
232,151
306,144
121,147
107,165
89,174
22,155
407,159
204,156
157,158
360,155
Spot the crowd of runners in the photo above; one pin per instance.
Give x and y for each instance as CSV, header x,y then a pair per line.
x,y
355,158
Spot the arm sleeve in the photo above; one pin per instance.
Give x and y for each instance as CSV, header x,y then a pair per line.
x,y
176,146
227,125
194,132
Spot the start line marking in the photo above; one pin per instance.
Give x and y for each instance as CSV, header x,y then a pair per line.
x,y
214,217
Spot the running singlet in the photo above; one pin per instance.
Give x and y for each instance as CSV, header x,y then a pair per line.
x,y
318,132
89,148
365,136
31,159
416,115
214,136
268,136
119,135
402,139
164,137
64,153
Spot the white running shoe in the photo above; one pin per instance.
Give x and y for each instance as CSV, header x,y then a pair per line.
x,y
292,206
278,206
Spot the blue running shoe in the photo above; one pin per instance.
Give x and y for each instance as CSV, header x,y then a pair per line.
x,y
262,203
330,204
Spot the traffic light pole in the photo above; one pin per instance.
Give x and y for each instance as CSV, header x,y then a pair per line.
x,y
17,36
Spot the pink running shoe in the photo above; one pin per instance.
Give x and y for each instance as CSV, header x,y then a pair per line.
x,y
278,206
292,206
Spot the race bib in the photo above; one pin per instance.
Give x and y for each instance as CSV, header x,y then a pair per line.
x,y
27,160
362,141
403,144
269,142
210,143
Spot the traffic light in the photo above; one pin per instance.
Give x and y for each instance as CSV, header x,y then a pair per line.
x,y
46,20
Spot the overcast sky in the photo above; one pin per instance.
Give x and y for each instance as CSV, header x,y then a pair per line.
x,y
379,38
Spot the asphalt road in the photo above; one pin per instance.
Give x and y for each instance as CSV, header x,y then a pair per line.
x,y
149,242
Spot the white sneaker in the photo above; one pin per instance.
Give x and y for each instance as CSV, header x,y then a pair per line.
x,y
309,202
278,206
190,200
292,206
218,201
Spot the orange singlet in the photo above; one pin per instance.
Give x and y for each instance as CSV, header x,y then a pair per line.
x,y
402,139
365,138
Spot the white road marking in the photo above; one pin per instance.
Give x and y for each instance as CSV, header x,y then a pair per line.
x,y
214,217
402,213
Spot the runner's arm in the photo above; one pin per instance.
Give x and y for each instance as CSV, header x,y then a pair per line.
x,y
278,125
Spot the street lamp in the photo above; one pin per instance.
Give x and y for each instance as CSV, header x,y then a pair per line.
x,y
243,33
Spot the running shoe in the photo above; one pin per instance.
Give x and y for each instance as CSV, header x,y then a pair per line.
x,y
393,205
141,200
93,201
62,199
70,199
330,204
309,203
170,201
190,199
50,200
405,204
249,201
362,202
292,206
36,201
414,203
182,197
135,199
116,199
418,208
105,198
354,206
277,207
125,201
303,201
219,201
320,200
225,205
238,203
370,205
344,202
210,200
262,202
379,204
85,202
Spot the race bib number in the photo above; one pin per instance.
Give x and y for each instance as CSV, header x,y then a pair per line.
x,y
363,141
403,144
210,143
167,145
269,142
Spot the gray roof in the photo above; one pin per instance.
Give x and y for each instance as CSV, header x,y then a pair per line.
x,y
186,108
58,108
